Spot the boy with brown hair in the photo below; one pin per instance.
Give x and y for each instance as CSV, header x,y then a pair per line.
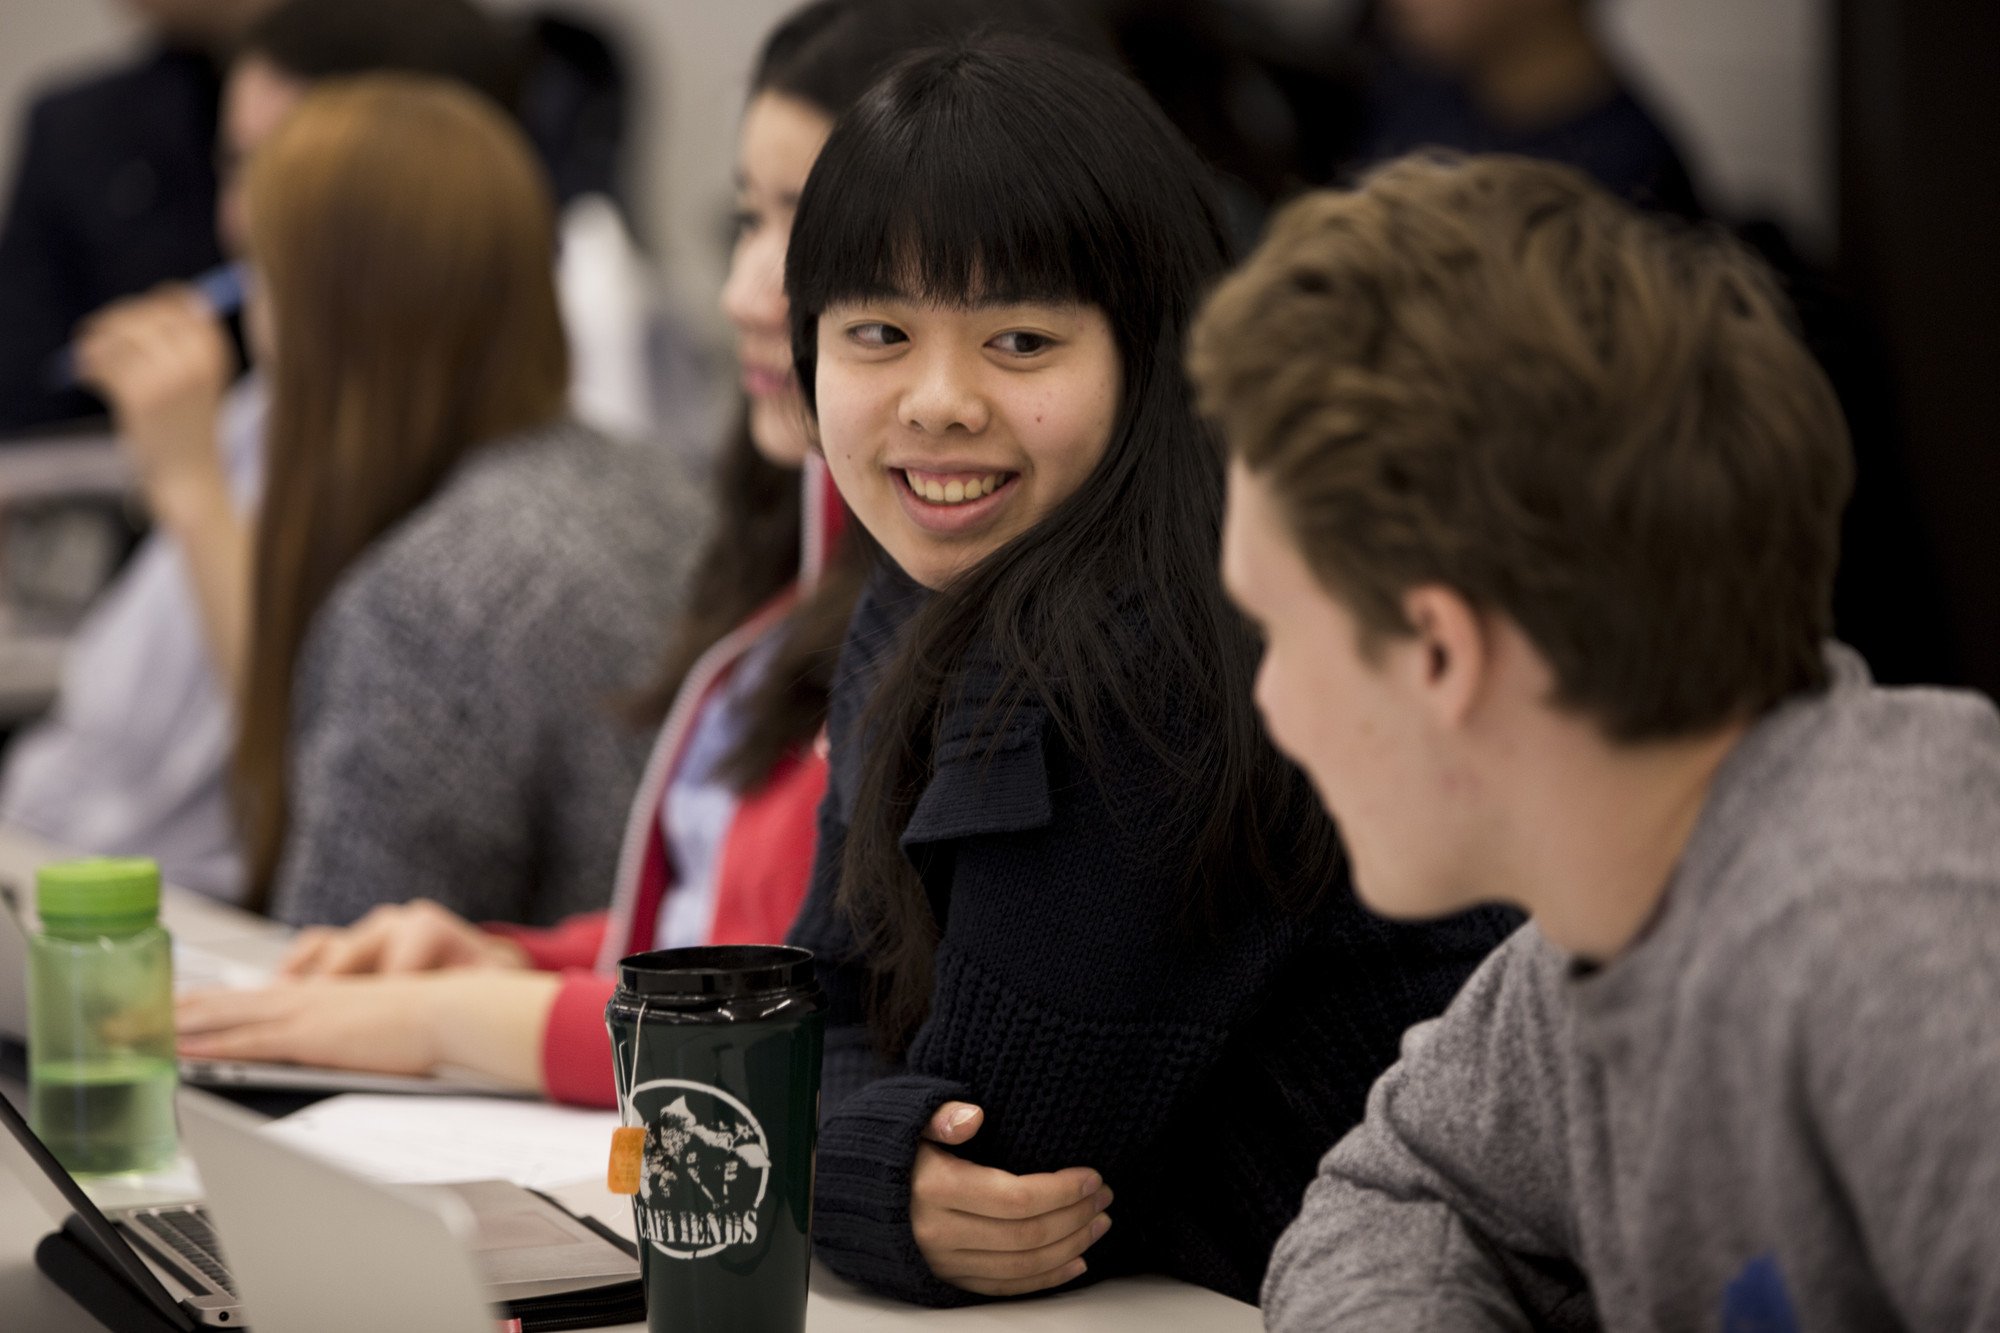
x,y
1537,504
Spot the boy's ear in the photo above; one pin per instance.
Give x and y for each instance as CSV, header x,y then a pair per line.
x,y
1454,655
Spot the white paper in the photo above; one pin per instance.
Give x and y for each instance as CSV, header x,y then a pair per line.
x,y
433,1140
196,968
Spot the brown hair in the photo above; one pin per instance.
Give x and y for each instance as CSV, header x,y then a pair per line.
x,y
1486,373
406,239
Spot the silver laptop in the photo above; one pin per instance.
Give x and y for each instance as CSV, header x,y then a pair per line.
x,y
317,1248
165,1256
203,965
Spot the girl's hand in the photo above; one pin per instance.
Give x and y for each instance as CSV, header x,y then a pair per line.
x,y
417,936
995,1233
487,1021
163,362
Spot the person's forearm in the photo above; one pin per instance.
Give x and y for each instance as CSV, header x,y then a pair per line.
x,y
216,541
1384,1262
867,1151
491,1022
1450,1205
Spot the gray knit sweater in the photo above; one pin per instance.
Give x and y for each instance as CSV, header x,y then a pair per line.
x,y
454,724
1780,1110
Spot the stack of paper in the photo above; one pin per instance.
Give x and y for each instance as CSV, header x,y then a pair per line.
x,y
432,1140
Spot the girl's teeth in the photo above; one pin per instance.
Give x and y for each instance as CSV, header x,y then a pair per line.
x,y
954,491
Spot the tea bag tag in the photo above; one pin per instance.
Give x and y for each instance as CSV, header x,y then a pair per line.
x,y
628,1142
628,1149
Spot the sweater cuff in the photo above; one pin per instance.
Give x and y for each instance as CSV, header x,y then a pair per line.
x,y
576,1046
861,1209
572,942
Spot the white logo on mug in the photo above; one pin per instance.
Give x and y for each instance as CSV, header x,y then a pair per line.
x,y
706,1167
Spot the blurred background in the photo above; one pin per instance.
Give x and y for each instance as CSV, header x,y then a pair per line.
x,y
1749,84
1849,140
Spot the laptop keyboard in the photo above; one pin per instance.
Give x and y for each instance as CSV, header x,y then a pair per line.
x,y
187,1233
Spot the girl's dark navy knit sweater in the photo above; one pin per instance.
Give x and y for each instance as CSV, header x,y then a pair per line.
x,y
1202,1071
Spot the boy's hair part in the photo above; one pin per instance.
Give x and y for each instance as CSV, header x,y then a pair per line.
x,y
1488,374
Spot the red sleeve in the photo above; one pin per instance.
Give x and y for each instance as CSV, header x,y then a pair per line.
x,y
572,942
576,1046
767,858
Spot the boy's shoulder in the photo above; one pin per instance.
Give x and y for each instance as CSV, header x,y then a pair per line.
x,y
1835,815
1848,829
1861,788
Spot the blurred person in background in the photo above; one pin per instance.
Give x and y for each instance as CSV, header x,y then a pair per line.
x,y
451,578
1532,77
720,838
131,760
1529,77
118,180
631,362
1267,105
114,192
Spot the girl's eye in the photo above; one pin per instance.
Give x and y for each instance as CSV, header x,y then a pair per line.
x,y
877,335
1023,344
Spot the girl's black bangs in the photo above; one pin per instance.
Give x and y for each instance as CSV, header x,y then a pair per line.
x,y
935,208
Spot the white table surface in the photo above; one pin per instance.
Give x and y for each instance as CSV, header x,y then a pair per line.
x,y
29,1301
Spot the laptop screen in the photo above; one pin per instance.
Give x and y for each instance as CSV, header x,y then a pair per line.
x,y
57,1191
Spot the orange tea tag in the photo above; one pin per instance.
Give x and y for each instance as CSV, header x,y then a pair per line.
x,y
628,1147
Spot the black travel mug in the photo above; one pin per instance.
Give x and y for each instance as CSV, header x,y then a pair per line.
x,y
717,1052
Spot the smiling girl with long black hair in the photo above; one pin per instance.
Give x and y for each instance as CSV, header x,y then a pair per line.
x,y
1084,933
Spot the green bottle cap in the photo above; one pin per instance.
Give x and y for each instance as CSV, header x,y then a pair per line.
x,y
102,890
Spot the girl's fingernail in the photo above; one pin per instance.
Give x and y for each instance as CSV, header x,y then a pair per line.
x,y
960,1117
1100,1225
1102,1201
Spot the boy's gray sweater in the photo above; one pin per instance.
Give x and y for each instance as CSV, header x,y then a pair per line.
x,y
1779,1110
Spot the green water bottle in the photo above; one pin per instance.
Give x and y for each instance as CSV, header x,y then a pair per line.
x,y
101,1017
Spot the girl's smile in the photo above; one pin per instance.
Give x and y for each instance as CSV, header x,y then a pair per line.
x,y
952,429
954,502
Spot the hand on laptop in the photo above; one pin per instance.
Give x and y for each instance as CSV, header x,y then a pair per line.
x,y
997,1233
485,1020
417,936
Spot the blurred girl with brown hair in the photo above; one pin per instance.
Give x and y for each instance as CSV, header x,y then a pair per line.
x,y
448,580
